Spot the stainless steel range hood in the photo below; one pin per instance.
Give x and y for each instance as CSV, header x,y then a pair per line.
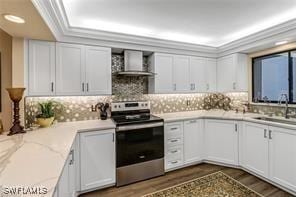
x,y
133,64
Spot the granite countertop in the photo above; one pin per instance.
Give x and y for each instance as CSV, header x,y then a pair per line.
x,y
37,157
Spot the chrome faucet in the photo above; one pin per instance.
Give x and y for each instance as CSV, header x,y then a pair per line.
x,y
285,96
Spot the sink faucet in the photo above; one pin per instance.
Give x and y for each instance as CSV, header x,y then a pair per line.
x,y
285,96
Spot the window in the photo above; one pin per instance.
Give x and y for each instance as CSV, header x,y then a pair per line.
x,y
274,75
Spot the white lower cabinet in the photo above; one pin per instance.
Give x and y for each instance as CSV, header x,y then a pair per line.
x,y
221,141
254,145
173,145
97,159
67,181
193,141
282,157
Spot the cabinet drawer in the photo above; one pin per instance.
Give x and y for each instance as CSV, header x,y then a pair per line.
x,y
174,130
173,153
174,141
174,163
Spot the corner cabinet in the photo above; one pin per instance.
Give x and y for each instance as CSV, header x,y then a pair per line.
x,y
221,139
41,68
232,73
68,69
97,159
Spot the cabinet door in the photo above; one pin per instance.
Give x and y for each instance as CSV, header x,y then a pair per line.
x,y
181,74
282,155
193,141
97,159
221,141
241,83
226,71
163,67
197,74
41,73
98,70
211,75
70,69
254,139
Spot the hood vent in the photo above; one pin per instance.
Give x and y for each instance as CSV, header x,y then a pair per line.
x,y
133,64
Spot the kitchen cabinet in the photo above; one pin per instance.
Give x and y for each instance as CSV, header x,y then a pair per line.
x,y
255,148
202,74
181,73
221,139
98,70
211,75
173,146
41,68
162,65
232,73
67,182
70,69
193,141
282,157
97,159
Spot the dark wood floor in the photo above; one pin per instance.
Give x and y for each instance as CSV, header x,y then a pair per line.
x,y
186,174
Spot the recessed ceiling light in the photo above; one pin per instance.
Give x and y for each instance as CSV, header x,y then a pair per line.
x,y
13,18
281,42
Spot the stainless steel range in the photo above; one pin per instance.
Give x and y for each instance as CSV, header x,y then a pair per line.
x,y
139,142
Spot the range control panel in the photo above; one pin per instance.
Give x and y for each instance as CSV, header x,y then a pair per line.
x,y
126,106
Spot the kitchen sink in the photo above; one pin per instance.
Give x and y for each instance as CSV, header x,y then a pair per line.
x,y
283,121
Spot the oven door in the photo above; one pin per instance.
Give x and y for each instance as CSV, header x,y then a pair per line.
x,y
139,143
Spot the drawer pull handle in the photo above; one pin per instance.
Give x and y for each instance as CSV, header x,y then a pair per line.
x,y
174,162
192,121
174,151
174,140
174,128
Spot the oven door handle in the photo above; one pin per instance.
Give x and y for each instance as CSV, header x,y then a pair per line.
x,y
139,126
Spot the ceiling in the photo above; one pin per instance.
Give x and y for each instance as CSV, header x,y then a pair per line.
x,y
33,28
205,22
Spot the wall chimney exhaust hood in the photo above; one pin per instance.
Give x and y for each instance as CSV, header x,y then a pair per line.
x,y
133,64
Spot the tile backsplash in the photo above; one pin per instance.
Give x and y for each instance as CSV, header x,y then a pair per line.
x,y
79,107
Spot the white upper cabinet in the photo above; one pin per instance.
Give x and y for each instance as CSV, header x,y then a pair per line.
x,y
202,74
83,70
98,70
282,157
193,141
197,74
70,69
211,75
41,74
221,139
181,73
232,73
162,65
254,153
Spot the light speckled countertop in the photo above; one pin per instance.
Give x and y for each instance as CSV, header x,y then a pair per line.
x,y
37,157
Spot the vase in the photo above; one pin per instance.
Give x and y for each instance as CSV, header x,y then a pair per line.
x,y
45,122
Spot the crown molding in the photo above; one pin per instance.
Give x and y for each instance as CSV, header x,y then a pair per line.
x,y
54,15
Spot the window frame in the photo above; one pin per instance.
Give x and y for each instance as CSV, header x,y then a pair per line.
x,y
290,76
